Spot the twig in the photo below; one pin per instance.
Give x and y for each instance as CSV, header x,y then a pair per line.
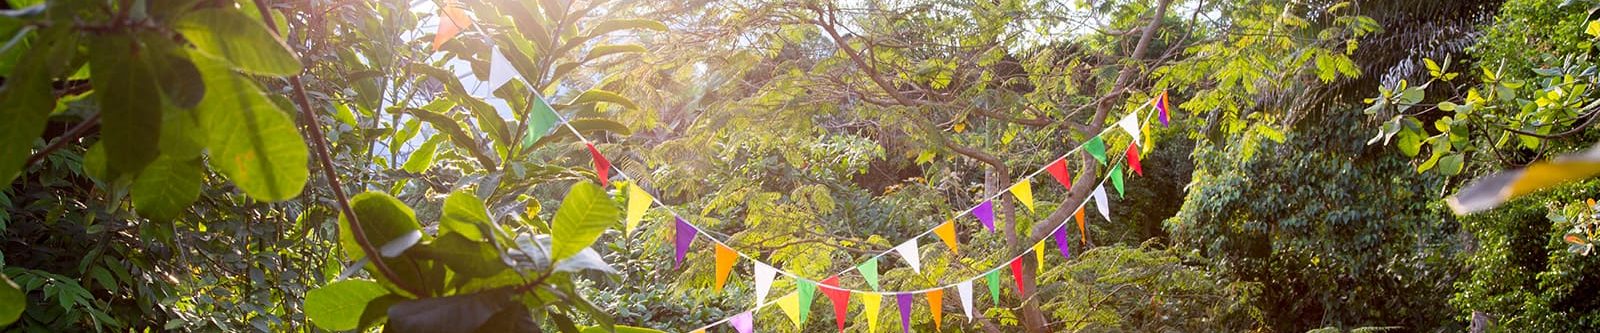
x,y
61,141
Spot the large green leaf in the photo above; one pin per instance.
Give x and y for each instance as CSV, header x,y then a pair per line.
x,y
596,96
458,136
460,313
383,218
340,305
166,187
464,256
605,50
12,301
422,158
130,118
584,214
242,41
26,99
251,140
464,214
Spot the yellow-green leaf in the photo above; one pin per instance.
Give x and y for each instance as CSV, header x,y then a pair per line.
x,y
250,139
243,42
584,214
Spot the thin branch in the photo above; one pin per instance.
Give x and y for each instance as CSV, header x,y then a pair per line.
x,y
61,141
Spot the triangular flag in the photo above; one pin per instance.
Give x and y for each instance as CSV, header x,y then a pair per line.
x,y
1038,257
1061,242
541,119
909,251
1116,180
725,259
1130,123
985,214
790,304
870,303
1147,138
602,166
869,272
1100,202
936,304
743,322
500,70
1023,190
904,300
1161,104
839,297
1083,231
964,290
994,285
1016,274
685,236
452,20
947,233
1096,148
1133,159
764,275
638,202
808,291
698,330
1058,170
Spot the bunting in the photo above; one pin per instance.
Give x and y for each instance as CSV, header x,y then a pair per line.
x,y
839,297
993,278
1096,148
1161,105
936,304
1058,170
1083,231
1023,190
904,301
638,202
1038,257
602,166
1133,159
1116,179
541,119
764,274
726,257
908,250
685,236
870,303
500,70
452,20
869,272
964,291
985,213
947,233
1016,274
1061,242
743,322
808,292
790,304
1100,202
1130,124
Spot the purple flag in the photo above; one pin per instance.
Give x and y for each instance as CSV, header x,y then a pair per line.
x,y
905,311
985,213
743,322
1061,241
686,233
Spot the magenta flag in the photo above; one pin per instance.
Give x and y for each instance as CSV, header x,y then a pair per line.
x,y
985,213
1061,241
904,299
744,322
686,233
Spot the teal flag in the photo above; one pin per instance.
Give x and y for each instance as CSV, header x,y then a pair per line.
x,y
1096,148
541,120
869,271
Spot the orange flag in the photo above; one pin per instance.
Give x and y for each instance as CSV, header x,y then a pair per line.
x,y
725,259
936,303
452,20
1081,231
947,233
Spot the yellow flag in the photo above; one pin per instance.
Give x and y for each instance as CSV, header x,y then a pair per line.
x,y
1024,192
871,301
947,233
1038,256
1149,142
791,307
698,331
638,201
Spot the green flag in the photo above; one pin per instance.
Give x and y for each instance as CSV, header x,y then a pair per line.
x,y
994,285
1116,179
869,271
540,121
1096,148
808,290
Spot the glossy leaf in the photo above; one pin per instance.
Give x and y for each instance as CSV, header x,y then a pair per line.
x,y
131,119
12,301
340,305
26,99
383,217
238,39
166,187
466,215
459,313
250,139
584,214
422,158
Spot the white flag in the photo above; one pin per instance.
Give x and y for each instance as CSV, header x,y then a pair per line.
x,y
764,275
908,250
965,289
500,70
1130,123
1100,202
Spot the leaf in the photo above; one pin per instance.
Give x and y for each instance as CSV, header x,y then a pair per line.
x,y
584,214
340,305
422,158
179,78
26,99
243,42
596,96
459,313
624,24
166,187
250,139
514,319
1593,28
605,50
12,301
458,136
131,120
466,215
383,218
464,256
1450,165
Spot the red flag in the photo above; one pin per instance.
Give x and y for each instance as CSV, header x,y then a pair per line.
x,y
840,298
1058,170
602,167
1133,159
1016,273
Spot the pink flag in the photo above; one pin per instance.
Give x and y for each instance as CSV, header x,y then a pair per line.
x,y
1058,170
1061,241
904,300
602,166
686,233
744,322
985,213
